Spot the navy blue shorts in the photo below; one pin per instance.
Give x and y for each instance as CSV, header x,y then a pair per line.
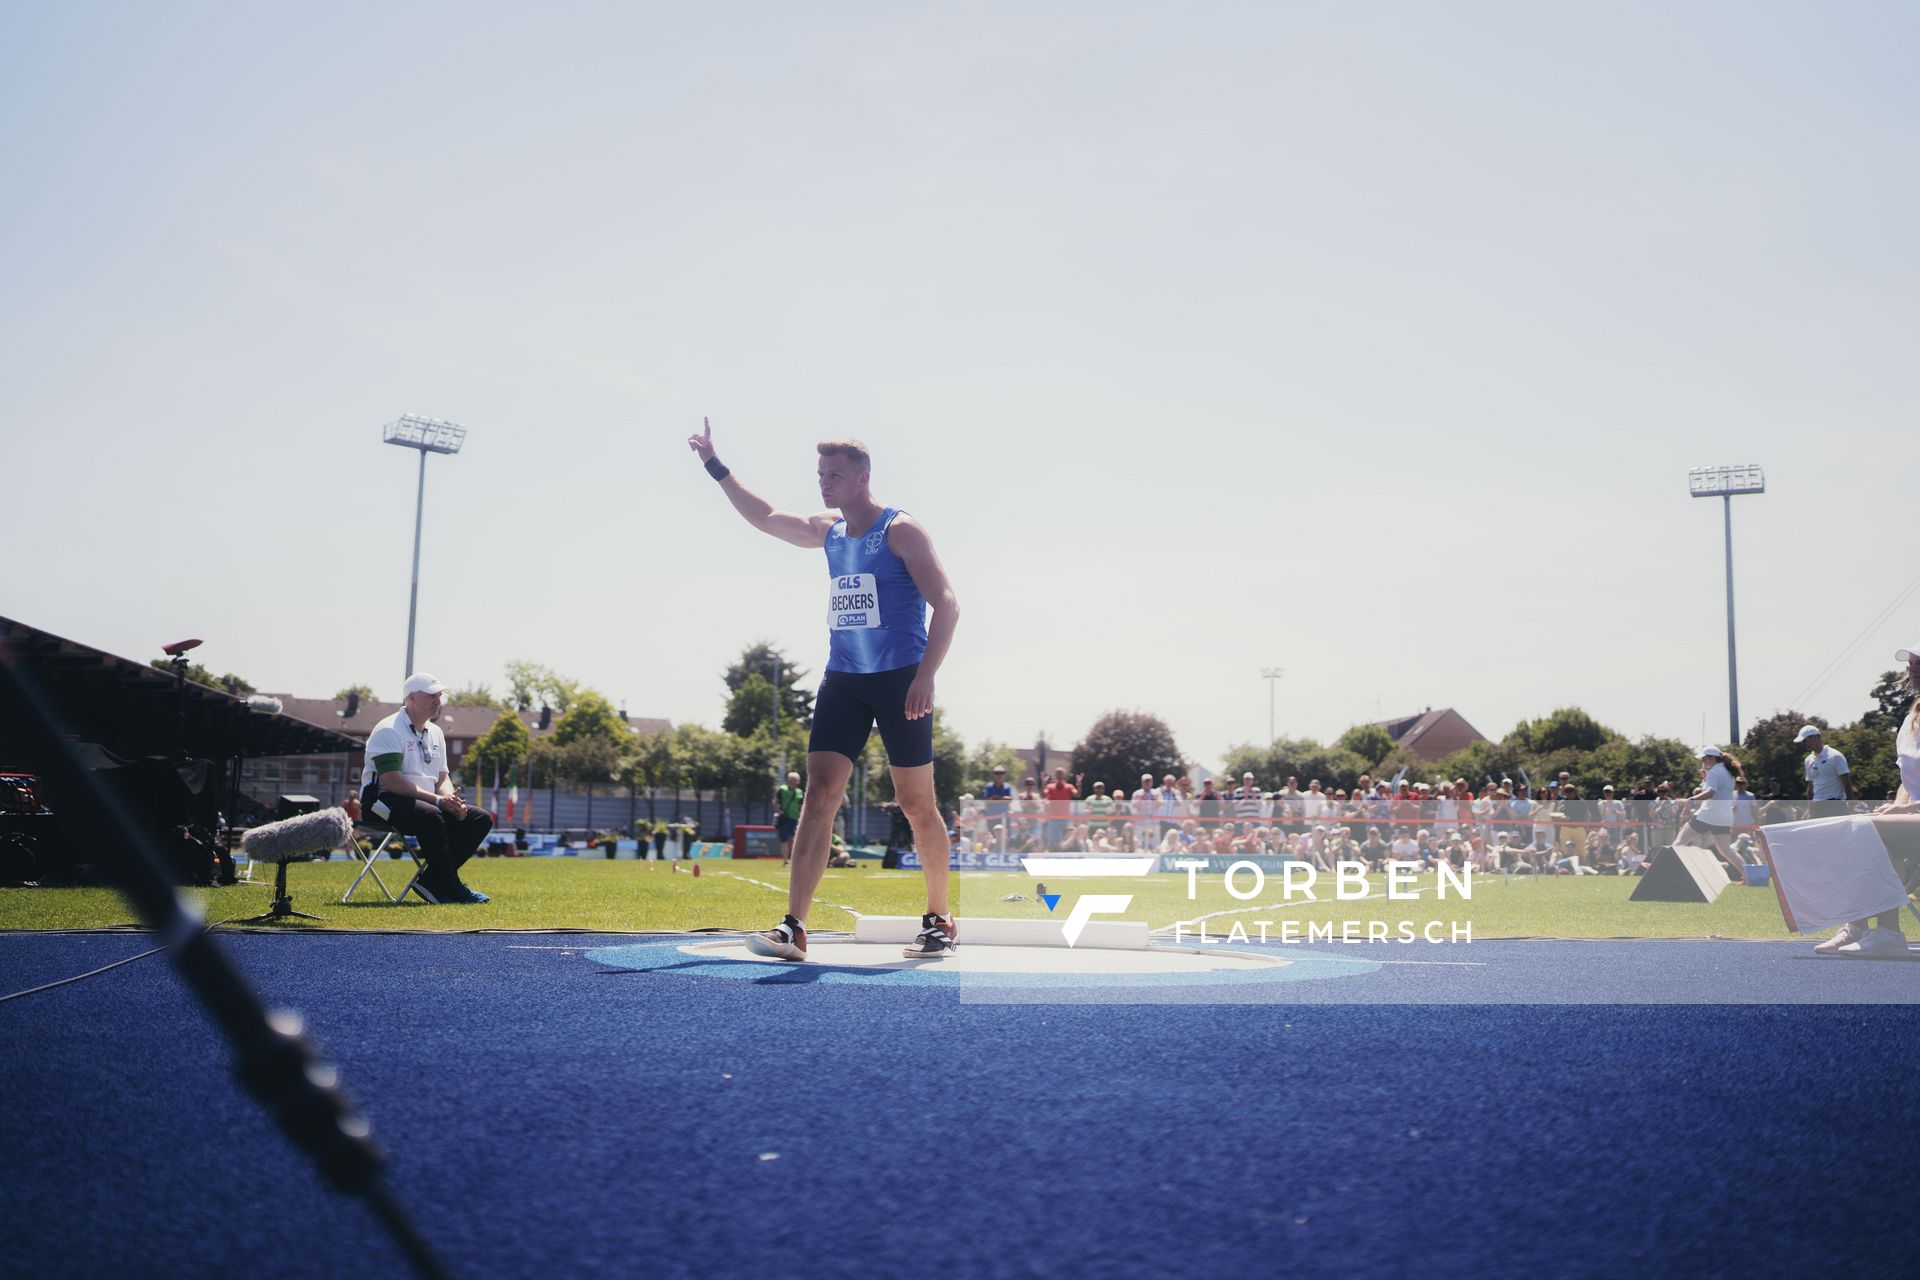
x,y
849,705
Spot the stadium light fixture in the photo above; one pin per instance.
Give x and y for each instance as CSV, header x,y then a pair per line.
x,y
1271,674
1727,483
427,435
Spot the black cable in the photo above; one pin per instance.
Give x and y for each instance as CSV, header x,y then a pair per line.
x,y
275,1059
66,982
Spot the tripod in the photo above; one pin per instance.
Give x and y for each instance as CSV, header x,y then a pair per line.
x,y
282,902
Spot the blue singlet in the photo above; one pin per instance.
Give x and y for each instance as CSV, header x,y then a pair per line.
x,y
876,616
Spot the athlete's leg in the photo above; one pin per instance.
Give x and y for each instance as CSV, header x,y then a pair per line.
x,y
1723,842
827,774
913,792
1901,834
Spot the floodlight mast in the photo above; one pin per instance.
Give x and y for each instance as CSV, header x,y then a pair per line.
x,y
428,435
1270,674
1727,483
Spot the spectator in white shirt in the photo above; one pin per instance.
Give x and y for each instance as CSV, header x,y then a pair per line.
x,y
1613,812
1245,798
1146,813
1405,847
1173,803
1829,781
1746,806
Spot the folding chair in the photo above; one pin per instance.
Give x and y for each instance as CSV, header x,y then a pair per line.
x,y
388,835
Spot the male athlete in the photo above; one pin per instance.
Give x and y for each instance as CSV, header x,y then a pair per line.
x,y
881,575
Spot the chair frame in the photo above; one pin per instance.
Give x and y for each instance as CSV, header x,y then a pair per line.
x,y
387,836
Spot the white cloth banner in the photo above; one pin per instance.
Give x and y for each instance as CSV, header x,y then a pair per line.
x,y
1830,871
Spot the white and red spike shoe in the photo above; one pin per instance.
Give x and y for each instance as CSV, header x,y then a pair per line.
x,y
939,936
785,941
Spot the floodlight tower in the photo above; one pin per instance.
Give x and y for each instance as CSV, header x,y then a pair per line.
x,y
428,435
1726,484
1270,674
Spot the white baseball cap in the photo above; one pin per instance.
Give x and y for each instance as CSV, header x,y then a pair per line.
x,y
1807,731
1714,752
421,682
1907,654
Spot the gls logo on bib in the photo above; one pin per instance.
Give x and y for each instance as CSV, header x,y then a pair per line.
x,y
853,602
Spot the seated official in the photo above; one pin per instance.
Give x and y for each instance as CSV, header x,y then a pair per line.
x,y
406,785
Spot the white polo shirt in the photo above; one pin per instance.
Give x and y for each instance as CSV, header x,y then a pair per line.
x,y
422,753
1825,769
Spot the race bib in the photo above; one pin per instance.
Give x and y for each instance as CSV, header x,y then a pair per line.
x,y
853,602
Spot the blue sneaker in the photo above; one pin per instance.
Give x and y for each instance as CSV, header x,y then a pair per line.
x,y
472,897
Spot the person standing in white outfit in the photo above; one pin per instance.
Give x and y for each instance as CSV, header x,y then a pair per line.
x,y
1829,781
1899,826
1713,805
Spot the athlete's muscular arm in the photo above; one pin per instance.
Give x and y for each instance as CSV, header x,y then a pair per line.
x,y
915,549
801,531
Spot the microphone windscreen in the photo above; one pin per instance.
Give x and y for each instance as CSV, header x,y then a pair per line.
x,y
298,836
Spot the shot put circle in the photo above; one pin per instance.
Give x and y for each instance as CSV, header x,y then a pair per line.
x,y
838,961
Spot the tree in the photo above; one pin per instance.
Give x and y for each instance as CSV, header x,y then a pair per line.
x,y
1122,745
1769,751
364,690
590,760
530,685
474,695
1371,742
197,674
1335,767
758,659
1567,727
591,717
502,746
1271,763
978,770
750,767
750,708
652,763
1628,764
1870,758
1478,761
1892,699
708,761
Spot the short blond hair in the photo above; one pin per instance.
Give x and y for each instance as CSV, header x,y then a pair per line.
x,y
850,449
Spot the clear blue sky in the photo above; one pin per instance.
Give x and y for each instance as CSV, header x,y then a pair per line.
x,y
1369,341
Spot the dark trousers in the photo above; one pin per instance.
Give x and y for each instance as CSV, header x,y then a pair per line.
x,y
445,842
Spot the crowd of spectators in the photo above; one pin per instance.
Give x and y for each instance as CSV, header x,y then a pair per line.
x,y
1503,825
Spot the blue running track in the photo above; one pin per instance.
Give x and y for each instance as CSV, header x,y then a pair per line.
x,y
548,1113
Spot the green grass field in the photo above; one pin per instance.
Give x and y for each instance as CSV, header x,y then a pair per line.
x,y
569,893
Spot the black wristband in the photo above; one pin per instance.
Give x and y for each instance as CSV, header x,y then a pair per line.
x,y
717,469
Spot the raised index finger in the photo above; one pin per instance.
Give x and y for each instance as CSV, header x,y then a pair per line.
x,y
708,424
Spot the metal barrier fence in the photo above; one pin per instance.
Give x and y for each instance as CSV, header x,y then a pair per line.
x,y
1069,826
